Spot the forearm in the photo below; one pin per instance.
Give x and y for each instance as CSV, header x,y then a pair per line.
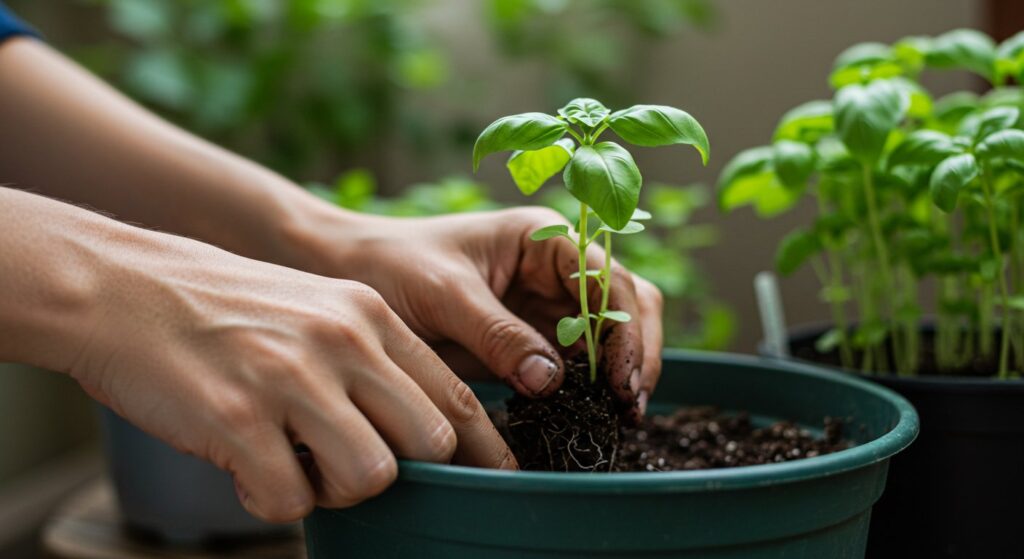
x,y
71,136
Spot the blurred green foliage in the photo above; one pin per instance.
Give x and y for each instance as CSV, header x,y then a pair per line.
x,y
291,84
693,317
311,87
588,46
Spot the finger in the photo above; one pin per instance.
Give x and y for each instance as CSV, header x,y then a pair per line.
x,y
479,443
622,343
511,348
269,480
650,301
464,364
352,462
403,414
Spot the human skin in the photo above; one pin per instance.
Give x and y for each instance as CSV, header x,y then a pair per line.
x,y
474,287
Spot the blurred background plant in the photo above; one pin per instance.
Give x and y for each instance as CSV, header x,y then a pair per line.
x,y
693,316
312,87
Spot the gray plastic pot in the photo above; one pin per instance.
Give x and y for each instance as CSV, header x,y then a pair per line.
x,y
816,508
176,497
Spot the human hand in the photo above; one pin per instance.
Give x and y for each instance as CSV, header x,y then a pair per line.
x,y
238,361
479,281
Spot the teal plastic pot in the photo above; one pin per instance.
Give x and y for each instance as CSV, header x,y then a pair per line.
x,y
816,508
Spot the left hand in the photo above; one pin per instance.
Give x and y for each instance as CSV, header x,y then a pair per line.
x,y
478,280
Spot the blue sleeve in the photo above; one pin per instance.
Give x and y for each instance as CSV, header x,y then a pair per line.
x,y
11,26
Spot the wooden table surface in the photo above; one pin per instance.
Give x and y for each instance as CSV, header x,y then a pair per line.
x,y
88,526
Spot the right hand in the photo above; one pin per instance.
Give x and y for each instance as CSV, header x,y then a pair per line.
x,y
238,361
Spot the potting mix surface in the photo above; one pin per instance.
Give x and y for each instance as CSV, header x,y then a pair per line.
x,y
584,427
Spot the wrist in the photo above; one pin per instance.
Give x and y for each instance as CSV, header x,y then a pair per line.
x,y
315,236
49,279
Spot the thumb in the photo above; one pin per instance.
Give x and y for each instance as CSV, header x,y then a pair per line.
x,y
508,346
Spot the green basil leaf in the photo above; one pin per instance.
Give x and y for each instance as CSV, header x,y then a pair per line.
x,y
829,340
923,147
910,52
617,316
527,131
630,228
950,110
863,54
866,114
587,112
658,125
994,120
951,177
641,215
1009,56
920,100
795,249
570,329
550,232
749,179
1005,144
531,169
806,123
605,177
965,49
793,161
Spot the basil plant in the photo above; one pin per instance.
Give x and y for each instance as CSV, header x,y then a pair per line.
x,y
909,189
600,175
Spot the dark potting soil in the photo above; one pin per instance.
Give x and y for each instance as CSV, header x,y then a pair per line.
x,y
584,427
576,429
979,366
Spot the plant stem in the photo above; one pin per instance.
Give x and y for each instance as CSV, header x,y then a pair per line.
x,y
882,252
835,282
584,292
997,251
606,283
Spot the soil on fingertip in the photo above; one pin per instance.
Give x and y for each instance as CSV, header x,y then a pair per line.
x,y
584,427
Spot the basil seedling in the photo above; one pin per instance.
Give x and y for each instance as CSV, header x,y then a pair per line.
x,y
600,175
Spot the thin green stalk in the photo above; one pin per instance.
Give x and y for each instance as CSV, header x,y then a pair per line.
x,y
1004,345
882,253
584,304
835,283
606,283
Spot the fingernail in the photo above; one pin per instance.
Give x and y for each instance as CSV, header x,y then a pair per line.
x,y
641,401
634,381
536,372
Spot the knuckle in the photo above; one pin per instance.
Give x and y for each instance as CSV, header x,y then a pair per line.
x,y
441,443
238,412
379,477
535,216
367,297
284,513
498,337
651,291
622,276
464,406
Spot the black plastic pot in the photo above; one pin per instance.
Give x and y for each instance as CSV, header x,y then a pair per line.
x,y
815,508
959,490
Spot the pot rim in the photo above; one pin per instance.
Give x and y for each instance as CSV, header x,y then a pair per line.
x,y
744,477
939,382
